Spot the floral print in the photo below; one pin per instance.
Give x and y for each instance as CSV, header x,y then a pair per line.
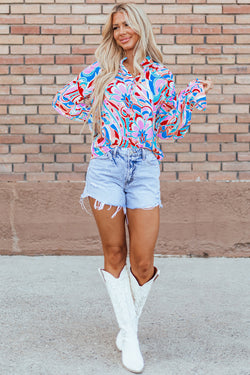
x,y
136,111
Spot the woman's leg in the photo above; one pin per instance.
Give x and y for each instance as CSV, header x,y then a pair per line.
x,y
143,228
113,237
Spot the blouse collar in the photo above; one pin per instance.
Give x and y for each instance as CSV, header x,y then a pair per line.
x,y
145,62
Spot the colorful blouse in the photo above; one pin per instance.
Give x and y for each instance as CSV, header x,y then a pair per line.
x,y
136,111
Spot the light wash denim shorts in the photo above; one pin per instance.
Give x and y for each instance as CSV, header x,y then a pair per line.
x,y
125,178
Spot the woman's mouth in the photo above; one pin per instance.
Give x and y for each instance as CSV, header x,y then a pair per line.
x,y
125,40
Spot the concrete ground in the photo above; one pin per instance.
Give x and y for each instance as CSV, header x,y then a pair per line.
x,y
56,318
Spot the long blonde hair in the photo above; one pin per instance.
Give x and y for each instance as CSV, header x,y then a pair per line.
x,y
109,54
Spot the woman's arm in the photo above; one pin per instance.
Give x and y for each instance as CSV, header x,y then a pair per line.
x,y
72,100
174,115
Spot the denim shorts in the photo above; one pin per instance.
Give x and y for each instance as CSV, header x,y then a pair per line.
x,y
125,178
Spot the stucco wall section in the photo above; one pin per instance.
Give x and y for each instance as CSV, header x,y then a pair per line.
x,y
198,219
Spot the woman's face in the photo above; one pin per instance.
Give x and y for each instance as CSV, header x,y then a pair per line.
x,y
124,36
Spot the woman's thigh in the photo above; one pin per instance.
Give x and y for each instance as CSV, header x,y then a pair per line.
x,y
113,235
143,225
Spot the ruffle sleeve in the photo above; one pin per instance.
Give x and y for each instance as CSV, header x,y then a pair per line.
x,y
72,101
173,118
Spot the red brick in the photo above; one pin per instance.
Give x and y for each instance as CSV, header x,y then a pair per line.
x,y
24,69
11,177
243,156
39,138
206,29
55,29
25,149
11,60
234,147
183,157
236,29
28,167
4,70
55,8
155,19
25,29
243,137
244,118
11,19
219,19
80,167
55,148
58,167
40,119
212,50
168,176
206,166
176,167
12,158
220,39
236,166
55,129
70,177
12,119
38,39
205,147
222,176
41,158
21,129
189,39
39,19
82,148
4,149
207,9
176,29
220,138
192,138
11,139
39,59
83,49
236,9
8,99
25,89
69,138
5,168
68,59
40,176
220,156
238,69
242,99
192,176
71,20
233,128
244,176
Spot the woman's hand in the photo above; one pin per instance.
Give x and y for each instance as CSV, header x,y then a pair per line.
x,y
207,85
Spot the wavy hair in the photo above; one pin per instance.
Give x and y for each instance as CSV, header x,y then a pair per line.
x,y
109,54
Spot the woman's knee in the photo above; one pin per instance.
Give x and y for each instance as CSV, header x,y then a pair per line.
x,y
143,270
115,256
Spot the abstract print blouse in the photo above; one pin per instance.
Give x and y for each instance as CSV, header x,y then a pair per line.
x,y
136,111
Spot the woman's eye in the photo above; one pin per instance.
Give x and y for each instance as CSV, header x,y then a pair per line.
x,y
114,28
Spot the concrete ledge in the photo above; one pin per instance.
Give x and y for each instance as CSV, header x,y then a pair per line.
x,y
198,219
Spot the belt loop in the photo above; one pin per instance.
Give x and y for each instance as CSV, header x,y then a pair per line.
x,y
143,154
115,151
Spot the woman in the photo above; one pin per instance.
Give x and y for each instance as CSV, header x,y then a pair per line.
x,y
128,99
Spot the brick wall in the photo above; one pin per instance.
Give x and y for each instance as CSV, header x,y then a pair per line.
x,y
44,45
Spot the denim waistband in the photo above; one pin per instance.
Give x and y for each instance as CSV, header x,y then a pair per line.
x,y
133,152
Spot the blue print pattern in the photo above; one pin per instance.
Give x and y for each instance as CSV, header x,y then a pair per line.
x,y
136,111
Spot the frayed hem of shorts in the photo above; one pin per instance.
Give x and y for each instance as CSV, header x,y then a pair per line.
x,y
98,205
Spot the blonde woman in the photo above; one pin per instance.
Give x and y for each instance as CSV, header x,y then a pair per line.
x,y
128,99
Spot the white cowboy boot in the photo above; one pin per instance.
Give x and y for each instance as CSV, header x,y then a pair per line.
x,y
120,294
140,294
